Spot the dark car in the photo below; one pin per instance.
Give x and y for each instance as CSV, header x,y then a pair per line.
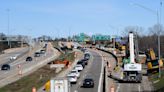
x,y
29,59
82,63
42,51
85,60
5,67
87,56
37,54
88,83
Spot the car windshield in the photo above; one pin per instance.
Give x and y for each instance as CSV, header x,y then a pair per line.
x,y
86,80
73,71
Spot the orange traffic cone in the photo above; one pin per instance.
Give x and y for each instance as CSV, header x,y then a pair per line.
x,y
33,89
20,72
112,89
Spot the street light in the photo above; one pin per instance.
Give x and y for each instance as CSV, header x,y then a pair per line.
x,y
8,26
159,28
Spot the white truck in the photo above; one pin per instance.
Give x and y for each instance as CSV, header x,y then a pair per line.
x,y
132,70
59,85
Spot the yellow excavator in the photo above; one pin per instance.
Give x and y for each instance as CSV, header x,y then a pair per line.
x,y
152,62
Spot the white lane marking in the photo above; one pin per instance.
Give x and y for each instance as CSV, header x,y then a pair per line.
x,y
118,88
139,88
100,79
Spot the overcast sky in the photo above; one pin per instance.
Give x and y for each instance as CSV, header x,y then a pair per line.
x,y
58,18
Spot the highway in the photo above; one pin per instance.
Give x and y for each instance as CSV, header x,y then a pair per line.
x,y
5,58
24,67
93,69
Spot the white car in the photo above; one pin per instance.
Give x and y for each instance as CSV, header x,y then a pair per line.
x,y
72,78
13,57
75,72
78,67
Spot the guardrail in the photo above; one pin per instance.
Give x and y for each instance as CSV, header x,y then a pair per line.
x,y
109,53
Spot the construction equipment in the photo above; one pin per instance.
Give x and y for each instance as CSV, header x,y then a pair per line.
x,y
152,62
57,85
132,70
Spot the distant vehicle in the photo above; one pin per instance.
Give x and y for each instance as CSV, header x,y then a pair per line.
x,y
5,67
85,60
42,51
78,67
13,57
29,59
45,46
88,83
81,63
37,54
72,78
75,72
87,56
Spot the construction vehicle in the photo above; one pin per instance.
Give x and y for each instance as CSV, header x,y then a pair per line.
x,y
57,85
153,63
132,70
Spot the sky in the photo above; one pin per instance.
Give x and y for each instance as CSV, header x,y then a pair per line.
x,y
62,18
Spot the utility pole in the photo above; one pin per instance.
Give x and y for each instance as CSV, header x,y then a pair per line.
x,y
8,26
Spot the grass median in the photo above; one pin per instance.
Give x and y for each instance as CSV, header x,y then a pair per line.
x,y
158,83
36,79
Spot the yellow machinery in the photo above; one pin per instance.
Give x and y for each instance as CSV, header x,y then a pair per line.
x,y
153,63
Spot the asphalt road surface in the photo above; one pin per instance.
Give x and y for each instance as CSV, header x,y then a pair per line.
x,y
93,69
5,58
16,71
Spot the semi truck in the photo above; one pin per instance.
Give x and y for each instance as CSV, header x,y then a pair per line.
x,y
132,70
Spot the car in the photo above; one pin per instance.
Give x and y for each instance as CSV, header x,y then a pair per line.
x,y
29,58
37,54
5,67
81,63
42,51
72,79
88,83
87,56
78,67
13,57
85,60
75,72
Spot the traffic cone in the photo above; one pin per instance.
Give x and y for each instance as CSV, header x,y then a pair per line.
x,y
33,89
19,65
112,89
20,72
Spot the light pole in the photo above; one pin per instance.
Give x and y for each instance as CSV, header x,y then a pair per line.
x,y
8,26
159,28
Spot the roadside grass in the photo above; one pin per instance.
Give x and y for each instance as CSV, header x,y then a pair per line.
x,y
158,83
36,79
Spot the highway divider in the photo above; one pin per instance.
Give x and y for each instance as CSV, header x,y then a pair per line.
x,y
109,53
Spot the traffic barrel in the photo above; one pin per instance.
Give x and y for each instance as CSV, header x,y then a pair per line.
x,y
112,89
19,65
33,89
20,72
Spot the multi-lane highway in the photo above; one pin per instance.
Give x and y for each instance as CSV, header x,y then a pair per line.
x,y
20,67
5,58
93,70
